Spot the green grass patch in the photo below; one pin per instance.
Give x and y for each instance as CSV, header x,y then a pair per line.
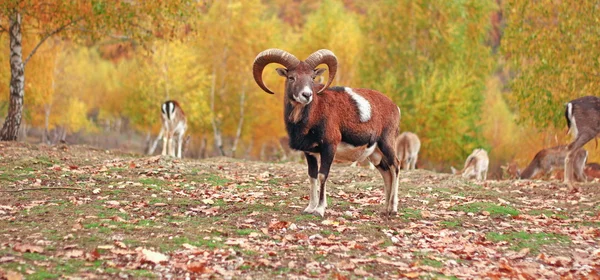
x,y
432,263
547,213
493,209
34,256
307,217
216,180
410,214
70,266
91,225
533,241
246,231
451,224
176,243
144,274
42,274
152,183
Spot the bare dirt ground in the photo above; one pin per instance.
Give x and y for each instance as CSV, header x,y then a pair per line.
x,y
75,212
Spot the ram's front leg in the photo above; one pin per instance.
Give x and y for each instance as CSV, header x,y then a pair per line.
x,y
313,169
327,155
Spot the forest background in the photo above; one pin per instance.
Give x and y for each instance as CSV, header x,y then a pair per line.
x,y
468,73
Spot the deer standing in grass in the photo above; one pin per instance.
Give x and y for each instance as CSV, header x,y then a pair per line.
x,y
476,165
553,158
407,149
174,124
583,122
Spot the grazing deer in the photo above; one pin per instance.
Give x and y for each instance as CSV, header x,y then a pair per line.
x,y
476,165
407,149
592,170
583,121
174,123
511,171
547,160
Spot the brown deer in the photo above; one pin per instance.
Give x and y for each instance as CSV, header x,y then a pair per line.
x,y
511,171
592,170
553,158
583,121
476,165
407,149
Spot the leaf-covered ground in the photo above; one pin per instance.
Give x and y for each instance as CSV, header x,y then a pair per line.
x,y
119,215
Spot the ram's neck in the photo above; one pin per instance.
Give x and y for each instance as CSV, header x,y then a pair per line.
x,y
297,113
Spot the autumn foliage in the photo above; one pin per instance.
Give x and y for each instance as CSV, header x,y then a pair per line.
x,y
467,74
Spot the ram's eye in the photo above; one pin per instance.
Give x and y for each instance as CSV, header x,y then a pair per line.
x,y
292,78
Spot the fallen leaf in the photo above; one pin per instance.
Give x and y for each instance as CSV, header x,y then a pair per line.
x,y
23,248
412,275
13,275
198,267
278,225
74,253
384,261
7,259
361,272
154,257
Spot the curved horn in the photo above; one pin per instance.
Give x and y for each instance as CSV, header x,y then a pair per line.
x,y
266,57
327,57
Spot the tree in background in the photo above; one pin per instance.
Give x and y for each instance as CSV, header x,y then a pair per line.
x,y
431,58
92,19
229,36
552,48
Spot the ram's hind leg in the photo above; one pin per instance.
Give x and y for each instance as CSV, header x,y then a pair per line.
x,y
313,169
388,165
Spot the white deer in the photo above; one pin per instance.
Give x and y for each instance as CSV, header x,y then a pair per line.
x,y
174,124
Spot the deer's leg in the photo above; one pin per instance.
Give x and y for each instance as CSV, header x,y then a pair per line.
x,y
179,144
313,170
413,163
579,165
582,138
354,164
327,155
155,142
165,143
485,174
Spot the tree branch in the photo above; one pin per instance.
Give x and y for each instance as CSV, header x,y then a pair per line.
x,y
48,36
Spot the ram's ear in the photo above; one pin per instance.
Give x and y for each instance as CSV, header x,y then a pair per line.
x,y
282,72
319,71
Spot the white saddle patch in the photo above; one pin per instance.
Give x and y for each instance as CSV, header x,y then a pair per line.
x,y
364,107
349,152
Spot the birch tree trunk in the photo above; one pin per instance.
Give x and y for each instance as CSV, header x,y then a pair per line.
x,y
10,129
238,133
46,137
215,123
